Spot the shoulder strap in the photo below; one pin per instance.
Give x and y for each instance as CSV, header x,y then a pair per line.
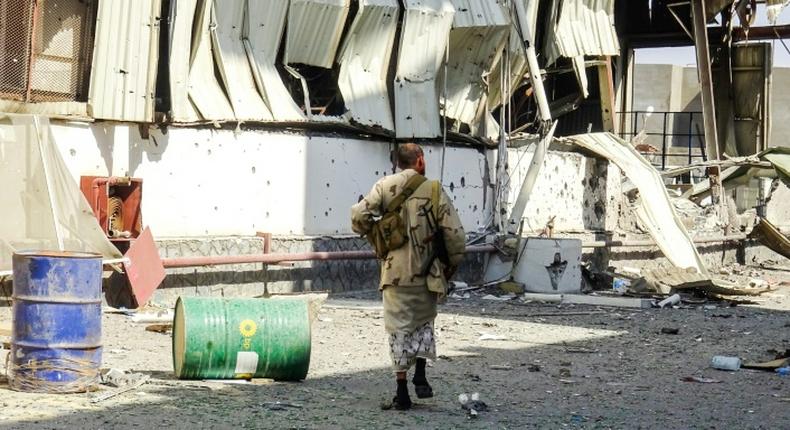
x,y
411,186
435,193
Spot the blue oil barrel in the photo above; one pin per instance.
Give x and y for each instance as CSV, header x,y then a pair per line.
x,y
56,332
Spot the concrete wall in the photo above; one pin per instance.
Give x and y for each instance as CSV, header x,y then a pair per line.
x,y
205,182
676,88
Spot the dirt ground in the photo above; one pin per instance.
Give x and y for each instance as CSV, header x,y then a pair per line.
x,y
559,366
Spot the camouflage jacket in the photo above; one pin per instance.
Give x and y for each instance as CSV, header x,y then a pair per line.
x,y
402,266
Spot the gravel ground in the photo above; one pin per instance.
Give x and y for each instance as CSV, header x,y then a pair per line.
x,y
558,367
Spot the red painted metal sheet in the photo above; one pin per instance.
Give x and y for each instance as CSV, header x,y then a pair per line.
x,y
144,267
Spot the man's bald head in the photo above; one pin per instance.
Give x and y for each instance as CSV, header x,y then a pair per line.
x,y
408,156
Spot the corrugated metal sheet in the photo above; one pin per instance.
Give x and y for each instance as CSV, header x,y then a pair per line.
x,y
125,56
232,62
773,8
584,27
314,31
182,15
479,32
518,68
424,36
364,61
204,89
266,26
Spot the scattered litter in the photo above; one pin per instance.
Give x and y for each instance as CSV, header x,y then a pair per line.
x,y
500,367
565,373
768,365
228,381
460,296
489,336
280,406
722,362
783,371
620,285
160,328
499,298
566,381
472,404
669,301
324,319
710,307
580,350
533,368
118,378
512,287
163,316
701,380
670,330
136,380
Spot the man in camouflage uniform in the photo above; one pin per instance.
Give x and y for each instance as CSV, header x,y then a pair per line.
x,y
409,297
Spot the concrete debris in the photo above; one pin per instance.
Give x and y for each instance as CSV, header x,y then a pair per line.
x,y
472,404
701,380
125,382
489,336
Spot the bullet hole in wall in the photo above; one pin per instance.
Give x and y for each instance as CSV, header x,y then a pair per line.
x,y
463,182
253,169
360,198
73,152
452,187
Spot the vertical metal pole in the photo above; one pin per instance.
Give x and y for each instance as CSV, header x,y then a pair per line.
x,y
444,116
664,144
705,78
691,131
32,46
708,105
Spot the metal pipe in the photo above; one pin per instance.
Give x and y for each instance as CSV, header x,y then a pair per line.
x,y
279,258
644,243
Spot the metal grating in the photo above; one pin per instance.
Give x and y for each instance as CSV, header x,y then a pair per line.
x,y
45,49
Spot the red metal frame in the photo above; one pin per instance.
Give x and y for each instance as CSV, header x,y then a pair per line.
x,y
97,189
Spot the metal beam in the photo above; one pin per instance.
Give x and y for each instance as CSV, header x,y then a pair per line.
x,y
739,34
705,79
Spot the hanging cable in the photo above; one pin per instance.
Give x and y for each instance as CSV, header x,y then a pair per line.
x,y
444,109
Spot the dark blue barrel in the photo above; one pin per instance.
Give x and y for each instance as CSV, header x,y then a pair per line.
x,y
56,336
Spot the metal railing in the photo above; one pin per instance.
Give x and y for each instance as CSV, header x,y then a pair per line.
x,y
673,132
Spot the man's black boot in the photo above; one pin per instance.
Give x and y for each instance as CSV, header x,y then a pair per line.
x,y
421,386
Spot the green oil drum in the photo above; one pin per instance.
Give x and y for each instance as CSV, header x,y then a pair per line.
x,y
216,338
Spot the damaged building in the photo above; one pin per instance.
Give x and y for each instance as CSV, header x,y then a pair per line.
x,y
209,148
263,119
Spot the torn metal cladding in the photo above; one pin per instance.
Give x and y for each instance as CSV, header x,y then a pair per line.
x,y
125,58
581,27
479,33
314,31
231,58
205,90
266,20
518,68
424,37
364,62
182,13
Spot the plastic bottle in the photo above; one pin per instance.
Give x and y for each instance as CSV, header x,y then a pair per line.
x,y
722,362
671,301
783,371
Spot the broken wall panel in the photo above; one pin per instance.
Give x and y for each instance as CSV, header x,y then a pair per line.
x,y
424,36
581,27
266,27
751,68
182,16
232,63
43,207
479,33
205,90
125,57
653,208
314,31
364,62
